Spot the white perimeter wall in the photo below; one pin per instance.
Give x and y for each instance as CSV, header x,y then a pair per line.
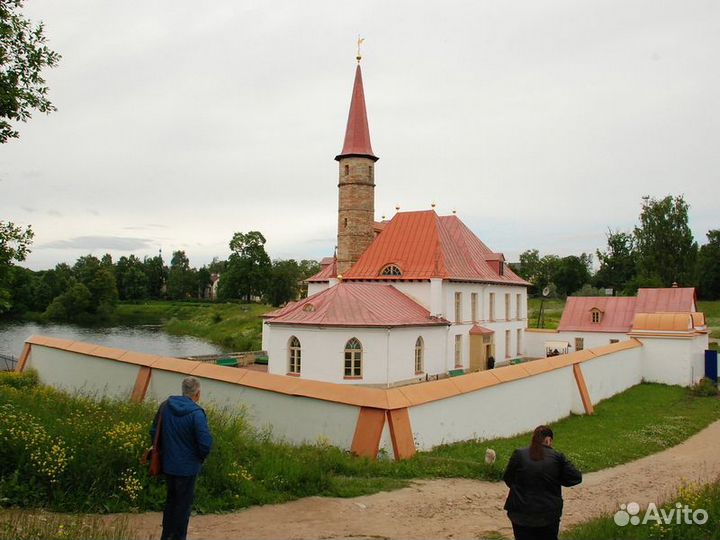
x,y
77,373
292,418
535,341
498,411
674,361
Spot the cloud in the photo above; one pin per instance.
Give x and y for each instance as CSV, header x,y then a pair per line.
x,y
28,209
54,213
122,243
144,227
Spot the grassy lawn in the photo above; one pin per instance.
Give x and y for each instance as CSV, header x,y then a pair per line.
x,y
236,327
712,316
553,312
695,497
75,454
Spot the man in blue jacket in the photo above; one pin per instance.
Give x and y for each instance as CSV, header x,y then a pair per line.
x,y
185,442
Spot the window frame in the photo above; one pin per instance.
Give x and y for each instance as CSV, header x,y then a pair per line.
x,y
354,355
419,356
294,366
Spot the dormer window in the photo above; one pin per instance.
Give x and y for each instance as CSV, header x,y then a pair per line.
x,y
501,268
391,270
308,307
596,315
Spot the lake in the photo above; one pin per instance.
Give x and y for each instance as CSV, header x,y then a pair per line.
x,y
146,339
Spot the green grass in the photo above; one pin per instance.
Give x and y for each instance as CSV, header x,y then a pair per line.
x,y
695,497
553,308
235,327
23,525
75,454
711,309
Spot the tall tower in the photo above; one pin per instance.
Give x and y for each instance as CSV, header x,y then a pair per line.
x,y
356,203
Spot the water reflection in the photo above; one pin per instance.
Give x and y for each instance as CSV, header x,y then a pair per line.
x,y
146,339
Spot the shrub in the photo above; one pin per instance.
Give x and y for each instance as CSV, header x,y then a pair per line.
x,y
704,388
13,379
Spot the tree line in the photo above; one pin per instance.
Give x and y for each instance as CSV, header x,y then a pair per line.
x,y
92,286
659,252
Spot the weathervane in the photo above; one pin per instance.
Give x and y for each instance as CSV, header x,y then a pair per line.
x,y
359,42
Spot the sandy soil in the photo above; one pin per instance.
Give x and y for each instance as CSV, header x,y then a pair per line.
x,y
456,508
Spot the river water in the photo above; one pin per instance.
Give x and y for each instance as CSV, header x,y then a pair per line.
x,y
146,339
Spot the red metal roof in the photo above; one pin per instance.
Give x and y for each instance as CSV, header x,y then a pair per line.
x,y
675,299
617,314
357,132
478,330
328,270
357,304
424,245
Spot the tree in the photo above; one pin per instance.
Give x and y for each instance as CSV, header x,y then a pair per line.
x,y
248,267
99,279
709,267
23,55
571,273
618,263
132,282
156,273
665,245
284,282
14,247
182,280
75,304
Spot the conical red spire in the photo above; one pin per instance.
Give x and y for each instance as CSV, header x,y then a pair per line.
x,y
357,134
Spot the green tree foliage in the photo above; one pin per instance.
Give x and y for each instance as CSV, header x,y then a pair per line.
x,y
14,247
75,305
157,275
23,55
182,280
618,263
571,273
666,249
709,267
132,282
248,267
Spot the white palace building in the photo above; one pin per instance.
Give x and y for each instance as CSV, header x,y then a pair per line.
x,y
412,298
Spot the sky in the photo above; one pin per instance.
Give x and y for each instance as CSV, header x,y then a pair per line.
x,y
542,123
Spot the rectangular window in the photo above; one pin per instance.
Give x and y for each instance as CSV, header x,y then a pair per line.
x,y
492,306
507,306
458,307
518,352
518,306
614,341
474,306
579,343
507,343
458,351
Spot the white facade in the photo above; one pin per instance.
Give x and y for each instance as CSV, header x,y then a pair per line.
x,y
388,353
535,340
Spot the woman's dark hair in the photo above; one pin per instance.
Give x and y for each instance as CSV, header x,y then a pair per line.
x,y
536,445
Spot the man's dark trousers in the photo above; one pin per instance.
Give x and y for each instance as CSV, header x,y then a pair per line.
x,y
180,495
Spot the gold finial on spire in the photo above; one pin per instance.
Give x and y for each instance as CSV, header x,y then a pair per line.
x,y
359,42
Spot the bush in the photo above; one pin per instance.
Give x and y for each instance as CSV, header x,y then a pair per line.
x,y
704,388
13,379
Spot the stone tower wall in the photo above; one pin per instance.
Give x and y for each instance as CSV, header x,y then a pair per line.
x,y
356,210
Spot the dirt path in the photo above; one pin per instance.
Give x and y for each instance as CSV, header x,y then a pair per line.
x,y
456,508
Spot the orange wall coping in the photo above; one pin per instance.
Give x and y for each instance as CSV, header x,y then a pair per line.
x,y
542,330
359,396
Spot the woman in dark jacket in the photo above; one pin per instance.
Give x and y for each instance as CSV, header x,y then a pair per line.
x,y
535,476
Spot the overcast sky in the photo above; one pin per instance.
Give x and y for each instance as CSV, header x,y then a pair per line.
x,y
542,123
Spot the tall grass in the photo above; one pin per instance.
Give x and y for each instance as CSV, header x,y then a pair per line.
x,y
236,327
33,525
77,454
695,497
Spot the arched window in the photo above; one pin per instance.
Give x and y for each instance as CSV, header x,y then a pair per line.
x,y
353,358
294,355
419,363
391,270
347,170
